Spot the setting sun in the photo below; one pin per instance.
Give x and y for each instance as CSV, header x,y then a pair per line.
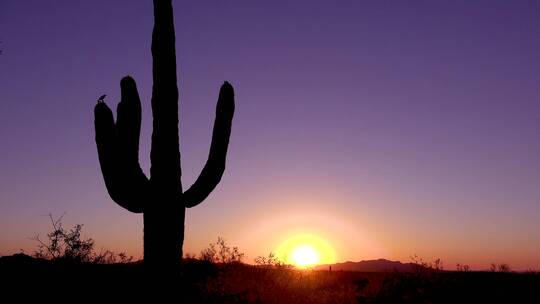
x,y
305,250
305,256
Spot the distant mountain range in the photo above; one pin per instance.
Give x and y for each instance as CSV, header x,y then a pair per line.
x,y
380,265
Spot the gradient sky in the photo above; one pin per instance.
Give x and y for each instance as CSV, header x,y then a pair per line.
x,y
388,128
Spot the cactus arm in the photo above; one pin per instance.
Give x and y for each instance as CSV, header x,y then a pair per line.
x,y
215,165
118,147
107,149
165,153
128,122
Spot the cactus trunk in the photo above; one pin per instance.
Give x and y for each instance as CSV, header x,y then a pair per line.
x,y
163,236
160,198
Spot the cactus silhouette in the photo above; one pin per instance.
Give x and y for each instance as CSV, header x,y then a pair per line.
x,y
160,198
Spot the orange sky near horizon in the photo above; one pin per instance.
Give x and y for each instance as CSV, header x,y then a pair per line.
x,y
352,236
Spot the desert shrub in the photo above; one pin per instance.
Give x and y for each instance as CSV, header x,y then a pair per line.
x,y
271,261
220,253
502,267
268,261
67,245
419,265
462,267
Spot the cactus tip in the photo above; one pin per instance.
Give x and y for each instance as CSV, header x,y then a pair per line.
x,y
127,80
226,88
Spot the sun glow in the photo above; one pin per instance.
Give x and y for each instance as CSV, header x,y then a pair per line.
x,y
305,250
305,256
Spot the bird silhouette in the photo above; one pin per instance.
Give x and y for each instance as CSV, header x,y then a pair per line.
x,y
101,98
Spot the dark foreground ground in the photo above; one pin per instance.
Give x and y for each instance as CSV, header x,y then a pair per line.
x,y
23,278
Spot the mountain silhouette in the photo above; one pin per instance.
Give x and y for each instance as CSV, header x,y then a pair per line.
x,y
379,265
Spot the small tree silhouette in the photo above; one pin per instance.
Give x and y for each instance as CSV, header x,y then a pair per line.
x,y
271,261
221,253
64,244
69,246
502,267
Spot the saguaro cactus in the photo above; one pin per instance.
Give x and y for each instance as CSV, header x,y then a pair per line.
x,y
160,198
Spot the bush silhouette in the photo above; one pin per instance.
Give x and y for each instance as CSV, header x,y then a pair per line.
x,y
67,245
220,253
160,198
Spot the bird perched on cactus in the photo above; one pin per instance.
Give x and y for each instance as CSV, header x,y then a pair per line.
x,y
159,198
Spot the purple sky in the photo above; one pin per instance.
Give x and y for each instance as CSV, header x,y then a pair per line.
x,y
390,128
